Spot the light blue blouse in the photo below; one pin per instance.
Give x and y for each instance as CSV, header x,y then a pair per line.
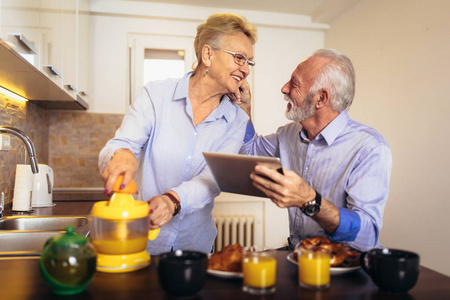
x,y
159,129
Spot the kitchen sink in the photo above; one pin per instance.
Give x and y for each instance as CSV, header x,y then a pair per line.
x,y
24,243
24,236
50,223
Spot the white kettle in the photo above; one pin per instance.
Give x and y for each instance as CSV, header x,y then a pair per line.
x,y
42,193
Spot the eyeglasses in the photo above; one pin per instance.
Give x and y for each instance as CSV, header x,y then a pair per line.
x,y
240,58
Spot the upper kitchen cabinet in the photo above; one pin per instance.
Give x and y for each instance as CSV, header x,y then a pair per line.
x,y
83,49
50,29
20,26
69,49
51,46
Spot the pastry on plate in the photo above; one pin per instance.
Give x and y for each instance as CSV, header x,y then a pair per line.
x,y
341,254
228,259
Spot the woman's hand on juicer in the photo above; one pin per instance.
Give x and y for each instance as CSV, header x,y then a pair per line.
x,y
122,162
160,211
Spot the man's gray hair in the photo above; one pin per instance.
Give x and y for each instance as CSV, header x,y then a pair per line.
x,y
338,76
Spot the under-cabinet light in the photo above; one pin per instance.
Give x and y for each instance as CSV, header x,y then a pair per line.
x,y
8,93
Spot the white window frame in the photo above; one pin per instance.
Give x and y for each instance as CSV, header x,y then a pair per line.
x,y
137,45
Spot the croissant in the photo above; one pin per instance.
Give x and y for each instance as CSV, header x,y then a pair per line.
x,y
228,259
341,254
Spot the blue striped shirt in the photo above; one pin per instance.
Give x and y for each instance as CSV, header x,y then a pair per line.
x,y
348,163
159,129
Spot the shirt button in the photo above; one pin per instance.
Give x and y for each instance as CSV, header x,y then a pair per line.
x,y
195,133
189,157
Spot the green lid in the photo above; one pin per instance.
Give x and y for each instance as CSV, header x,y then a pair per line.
x,y
69,238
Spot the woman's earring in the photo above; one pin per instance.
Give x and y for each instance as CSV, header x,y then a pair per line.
x,y
207,71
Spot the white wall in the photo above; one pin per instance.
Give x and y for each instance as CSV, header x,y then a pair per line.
x,y
112,20
400,50
276,58
109,56
278,52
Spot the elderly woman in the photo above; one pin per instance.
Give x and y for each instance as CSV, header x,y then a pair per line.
x,y
170,124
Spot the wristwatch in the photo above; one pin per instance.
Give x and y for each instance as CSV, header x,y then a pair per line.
x,y
176,202
312,208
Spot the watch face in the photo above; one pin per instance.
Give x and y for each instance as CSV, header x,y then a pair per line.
x,y
312,210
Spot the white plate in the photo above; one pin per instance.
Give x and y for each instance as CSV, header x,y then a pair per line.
x,y
224,274
333,270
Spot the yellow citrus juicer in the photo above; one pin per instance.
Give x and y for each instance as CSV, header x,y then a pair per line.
x,y
119,231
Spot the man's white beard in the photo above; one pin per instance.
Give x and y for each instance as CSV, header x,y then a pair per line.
x,y
301,113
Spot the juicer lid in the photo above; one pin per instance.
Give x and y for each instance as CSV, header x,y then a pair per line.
x,y
120,206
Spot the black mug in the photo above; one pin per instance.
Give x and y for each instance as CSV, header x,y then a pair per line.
x,y
392,270
182,273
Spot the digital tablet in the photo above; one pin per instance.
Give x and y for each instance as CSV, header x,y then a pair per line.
x,y
232,171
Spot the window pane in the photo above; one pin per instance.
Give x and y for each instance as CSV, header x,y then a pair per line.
x,y
160,64
159,69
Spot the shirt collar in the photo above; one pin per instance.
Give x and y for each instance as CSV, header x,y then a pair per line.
x,y
182,89
335,127
329,133
223,110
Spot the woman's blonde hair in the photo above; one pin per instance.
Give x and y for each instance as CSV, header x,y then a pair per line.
x,y
217,25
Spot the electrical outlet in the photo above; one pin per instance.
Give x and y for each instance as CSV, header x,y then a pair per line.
x,y
5,142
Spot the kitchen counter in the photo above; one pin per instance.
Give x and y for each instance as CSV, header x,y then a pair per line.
x,y
20,279
69,208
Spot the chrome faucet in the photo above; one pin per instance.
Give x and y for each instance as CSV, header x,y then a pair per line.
x,y
28,143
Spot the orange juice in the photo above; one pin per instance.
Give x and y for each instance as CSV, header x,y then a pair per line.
x,y
110,245
259,272
314,269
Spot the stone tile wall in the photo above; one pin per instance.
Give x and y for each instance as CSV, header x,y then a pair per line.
x,y
67,141
33,121
76,139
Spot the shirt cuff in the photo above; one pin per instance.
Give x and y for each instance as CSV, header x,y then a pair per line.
x,y
250,132
349,226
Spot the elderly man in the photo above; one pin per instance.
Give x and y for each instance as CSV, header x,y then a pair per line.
x,y
336,170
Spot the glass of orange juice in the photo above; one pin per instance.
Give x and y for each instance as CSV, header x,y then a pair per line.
x,y
259,268
314,268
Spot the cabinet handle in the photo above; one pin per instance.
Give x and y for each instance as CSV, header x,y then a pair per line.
x,y
83,93
21,38
53,70
70,87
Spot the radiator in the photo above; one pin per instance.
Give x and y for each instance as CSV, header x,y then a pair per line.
x,y
234,229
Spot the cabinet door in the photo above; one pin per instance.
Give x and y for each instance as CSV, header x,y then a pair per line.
x,y
20,26
51,39
69,48
83,48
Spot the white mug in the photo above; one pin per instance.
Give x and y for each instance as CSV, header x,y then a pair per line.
x,y
22,188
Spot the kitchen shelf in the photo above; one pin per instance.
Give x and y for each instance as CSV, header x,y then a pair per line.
x,y
24,79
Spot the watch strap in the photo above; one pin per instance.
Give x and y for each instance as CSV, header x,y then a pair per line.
x,y
174,201
318,198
